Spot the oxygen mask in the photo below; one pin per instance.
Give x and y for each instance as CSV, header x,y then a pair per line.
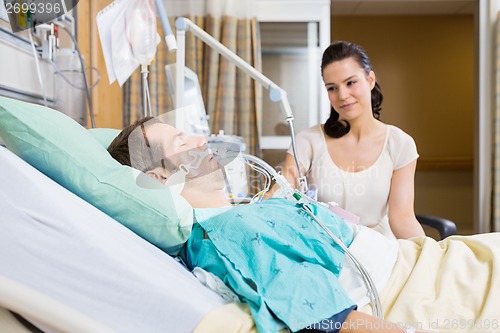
x,y
195,163
224,152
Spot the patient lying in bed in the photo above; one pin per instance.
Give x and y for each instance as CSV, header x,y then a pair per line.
x,y
54,242
59,245
288,271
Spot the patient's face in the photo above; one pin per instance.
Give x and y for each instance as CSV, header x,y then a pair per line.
x,y
188,150
175,141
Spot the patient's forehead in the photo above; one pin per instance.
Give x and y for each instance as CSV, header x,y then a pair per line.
x,y
163,133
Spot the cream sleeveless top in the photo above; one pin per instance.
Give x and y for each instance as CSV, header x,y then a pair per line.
x,y
364,193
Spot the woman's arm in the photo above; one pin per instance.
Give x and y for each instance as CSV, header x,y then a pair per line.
x,y
402,218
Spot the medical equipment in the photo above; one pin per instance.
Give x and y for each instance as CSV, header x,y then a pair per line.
x,y
142,36
84,74
141,31
52,75
70,86
39,74
192,117
227,149
169,35
287,191
370,285
123,55
69,69
276,94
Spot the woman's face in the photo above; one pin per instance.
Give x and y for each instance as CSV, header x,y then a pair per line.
x,y
349,88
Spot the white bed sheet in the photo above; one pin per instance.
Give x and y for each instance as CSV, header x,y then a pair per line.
x,y
58,244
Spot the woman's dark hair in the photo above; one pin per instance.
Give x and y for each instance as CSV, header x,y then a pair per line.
x,y
339,51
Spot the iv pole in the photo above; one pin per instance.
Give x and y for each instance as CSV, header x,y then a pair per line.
x,y
276,94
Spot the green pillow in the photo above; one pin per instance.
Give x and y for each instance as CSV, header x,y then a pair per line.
x,y
65,151
104,135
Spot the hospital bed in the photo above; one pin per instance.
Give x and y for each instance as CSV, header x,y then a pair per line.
x,y
68,267
61,241
98,275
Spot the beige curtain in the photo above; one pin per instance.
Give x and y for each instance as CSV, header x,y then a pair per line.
x,y
232,99
496,153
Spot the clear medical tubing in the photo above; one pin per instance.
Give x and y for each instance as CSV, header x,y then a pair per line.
x,y
370,285
288,192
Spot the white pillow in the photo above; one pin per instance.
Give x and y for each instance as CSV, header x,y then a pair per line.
x,y
58,244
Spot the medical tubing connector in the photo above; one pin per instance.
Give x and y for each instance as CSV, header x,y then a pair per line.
x,y
302,179
280,179
146,99
370,285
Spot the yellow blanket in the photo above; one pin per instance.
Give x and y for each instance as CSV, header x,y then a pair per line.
x,y
447,286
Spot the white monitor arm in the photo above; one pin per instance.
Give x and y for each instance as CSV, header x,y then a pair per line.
x,y
276,94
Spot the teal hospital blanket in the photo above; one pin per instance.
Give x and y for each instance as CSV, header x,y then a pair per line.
x,y
276,258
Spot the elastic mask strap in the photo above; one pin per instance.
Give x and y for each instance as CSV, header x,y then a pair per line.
x,y
197,158
177,181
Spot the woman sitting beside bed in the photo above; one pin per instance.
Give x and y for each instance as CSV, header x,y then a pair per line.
x,y
354,159
290,273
